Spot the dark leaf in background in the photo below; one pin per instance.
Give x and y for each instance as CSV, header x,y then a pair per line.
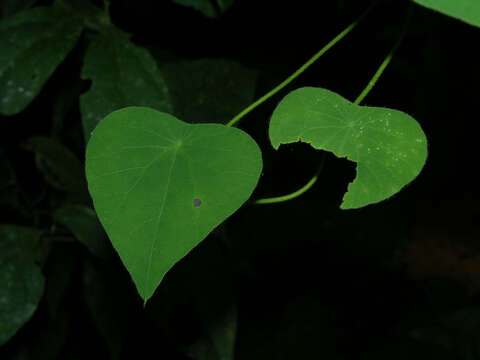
x,y
94,17
59,166
209,90
110,302
50,329
309,329
122,74
64,106
219,341
458,333
33,42
50,340
304,328
201,288
58,271
10,196
209,8
10,7
82,221
224,5
7,180
21,279
7,175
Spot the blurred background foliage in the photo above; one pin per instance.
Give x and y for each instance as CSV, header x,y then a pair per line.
x,y
397,280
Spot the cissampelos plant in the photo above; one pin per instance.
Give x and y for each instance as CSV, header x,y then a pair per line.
x,y
162,174
160,185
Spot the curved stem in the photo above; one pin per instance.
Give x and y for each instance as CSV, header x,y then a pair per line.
x,y
300,70
295,194
357,101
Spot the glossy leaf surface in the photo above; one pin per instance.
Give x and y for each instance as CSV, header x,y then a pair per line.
x,y
388,146
33,43
122,74
465,10
160,185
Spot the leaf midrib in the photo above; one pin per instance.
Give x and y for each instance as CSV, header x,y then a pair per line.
x,y
154,239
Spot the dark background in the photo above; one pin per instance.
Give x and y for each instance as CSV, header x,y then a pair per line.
x,y
395,280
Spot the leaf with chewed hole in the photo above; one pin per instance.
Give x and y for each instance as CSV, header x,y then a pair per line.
x,y
160,185
389,146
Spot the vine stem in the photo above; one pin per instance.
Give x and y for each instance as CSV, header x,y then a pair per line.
x,y
357,101
301,69
106,6
296,193
386,61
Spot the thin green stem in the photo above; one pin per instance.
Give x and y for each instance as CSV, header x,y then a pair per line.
x,y
357,101
386,61
300,70
295,194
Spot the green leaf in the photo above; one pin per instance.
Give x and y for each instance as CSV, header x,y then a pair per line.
x,y
160,185
209,90
465,10
60,167
84,225
207,7
388,146
122,74
33,42
21,279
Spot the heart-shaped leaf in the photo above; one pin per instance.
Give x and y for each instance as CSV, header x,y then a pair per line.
x,y
388,146
465,10
160,185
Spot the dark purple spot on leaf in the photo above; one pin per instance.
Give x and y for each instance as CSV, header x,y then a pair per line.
x,y
197,202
